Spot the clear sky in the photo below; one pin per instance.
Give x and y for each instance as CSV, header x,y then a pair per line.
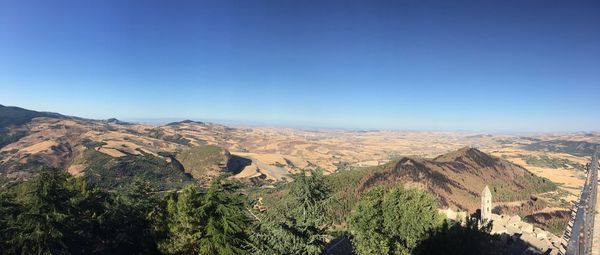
x,y
425,65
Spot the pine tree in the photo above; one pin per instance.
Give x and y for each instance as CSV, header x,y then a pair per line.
x,y
127,226
299,225
456,238
224,215
43,226
392,222
9,209
213,222
87,205
183,223
366,224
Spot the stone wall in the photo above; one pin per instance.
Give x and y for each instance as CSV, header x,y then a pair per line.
x,y
512,230
512,227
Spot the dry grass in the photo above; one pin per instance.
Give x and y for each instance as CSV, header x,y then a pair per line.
x,y
278,151
39,147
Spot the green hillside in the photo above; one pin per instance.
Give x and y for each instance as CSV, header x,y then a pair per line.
x,y
11,116
207,161
108,172
576,148
455,179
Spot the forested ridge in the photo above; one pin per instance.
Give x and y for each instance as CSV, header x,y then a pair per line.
x,y
56,213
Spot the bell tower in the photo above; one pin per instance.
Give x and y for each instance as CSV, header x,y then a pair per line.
x,y
486,204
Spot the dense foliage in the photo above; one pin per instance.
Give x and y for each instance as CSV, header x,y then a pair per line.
x,y
55,213
392,221
299,224
202,161
105,171
58,214
453,238
211,222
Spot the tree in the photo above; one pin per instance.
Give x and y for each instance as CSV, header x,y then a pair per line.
x,y
392,222
454,238
127,226
213,222
87,206
225,218
41,229
9,209
367,224
183,223
56,214
299,225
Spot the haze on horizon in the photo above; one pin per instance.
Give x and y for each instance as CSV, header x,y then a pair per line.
x,y
418,65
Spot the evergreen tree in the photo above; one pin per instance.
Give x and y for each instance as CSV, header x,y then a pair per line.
x,y
299,225
392,222
454,238
9,209
213,222
55,213
183,223
42,228
87,205
225,220
367,224
127,226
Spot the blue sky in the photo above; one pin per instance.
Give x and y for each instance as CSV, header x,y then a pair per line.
x,y
424,65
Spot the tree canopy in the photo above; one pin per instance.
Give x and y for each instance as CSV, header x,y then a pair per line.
x,y
211,222
392,221
299,224
56,213
454,238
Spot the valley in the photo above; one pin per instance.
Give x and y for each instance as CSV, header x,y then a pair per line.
x,y
537,176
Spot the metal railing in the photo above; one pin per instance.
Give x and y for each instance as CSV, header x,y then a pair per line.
x,y
579,233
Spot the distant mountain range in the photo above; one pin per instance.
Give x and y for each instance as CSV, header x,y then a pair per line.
x,y
111,152
11,116
107,152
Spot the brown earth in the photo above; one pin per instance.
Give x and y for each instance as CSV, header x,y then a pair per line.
x,y
457,178
275,152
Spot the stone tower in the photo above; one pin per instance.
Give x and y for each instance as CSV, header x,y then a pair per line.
x,y
486,204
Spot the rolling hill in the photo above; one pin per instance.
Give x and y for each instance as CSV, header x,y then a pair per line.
x,y
456,179
12,118
106,152
109,152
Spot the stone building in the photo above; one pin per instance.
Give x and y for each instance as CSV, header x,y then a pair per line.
x,y
486,204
